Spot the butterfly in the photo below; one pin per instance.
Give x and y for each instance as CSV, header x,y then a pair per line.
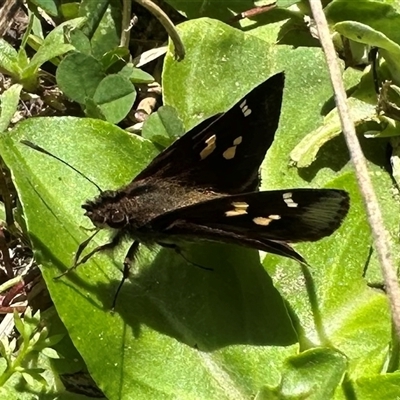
x,y
204,187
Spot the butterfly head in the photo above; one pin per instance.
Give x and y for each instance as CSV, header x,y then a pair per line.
x,y
104,211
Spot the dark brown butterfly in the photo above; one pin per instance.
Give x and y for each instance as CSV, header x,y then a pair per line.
x,y
205,187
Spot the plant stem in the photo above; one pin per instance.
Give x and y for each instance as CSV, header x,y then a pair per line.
x,y
374,215
167,24
126,20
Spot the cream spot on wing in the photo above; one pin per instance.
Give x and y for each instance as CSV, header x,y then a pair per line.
x,y
235,213
245,108
287,198
240,204
274,216
210,147
238,140
211,140
247,112
240,208
262,221
229,153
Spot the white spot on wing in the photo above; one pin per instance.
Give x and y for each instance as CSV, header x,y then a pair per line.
x,y
245,108
247,112
274,216
287,198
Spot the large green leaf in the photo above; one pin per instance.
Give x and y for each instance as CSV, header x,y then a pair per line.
x,y
170,311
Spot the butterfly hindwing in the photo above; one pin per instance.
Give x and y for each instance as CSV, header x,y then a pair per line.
x,y
224,152
293,215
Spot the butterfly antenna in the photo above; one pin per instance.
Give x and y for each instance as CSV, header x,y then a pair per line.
x,y
42,150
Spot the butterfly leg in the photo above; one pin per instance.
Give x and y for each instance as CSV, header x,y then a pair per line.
x,y
130,256
179,251
113,243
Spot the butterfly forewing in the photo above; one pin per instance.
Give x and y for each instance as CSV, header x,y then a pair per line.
x,y
224,152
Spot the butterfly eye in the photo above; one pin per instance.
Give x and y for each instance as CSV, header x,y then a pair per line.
x,y
117,218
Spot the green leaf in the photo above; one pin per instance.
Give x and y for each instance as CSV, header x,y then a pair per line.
x,y
382,387
50,6
314,374
60,32
54,339
31,322
365,34
295,32
112,57
163,127
79,75
5,353
362,109
362,33
80,41
305,153
9,60
19,324
23,60
51,353
45,53
380,16
33,376
115,96
103,24
286,3
222,73
9,103
92,110
70,10
140,76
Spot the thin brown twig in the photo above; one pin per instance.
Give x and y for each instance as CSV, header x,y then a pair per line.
x,y
167,24
252,12
380,236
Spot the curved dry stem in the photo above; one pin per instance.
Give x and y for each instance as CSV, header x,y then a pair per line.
x,y
380,236
167,24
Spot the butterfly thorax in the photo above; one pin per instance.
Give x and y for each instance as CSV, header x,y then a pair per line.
x,y
136,204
